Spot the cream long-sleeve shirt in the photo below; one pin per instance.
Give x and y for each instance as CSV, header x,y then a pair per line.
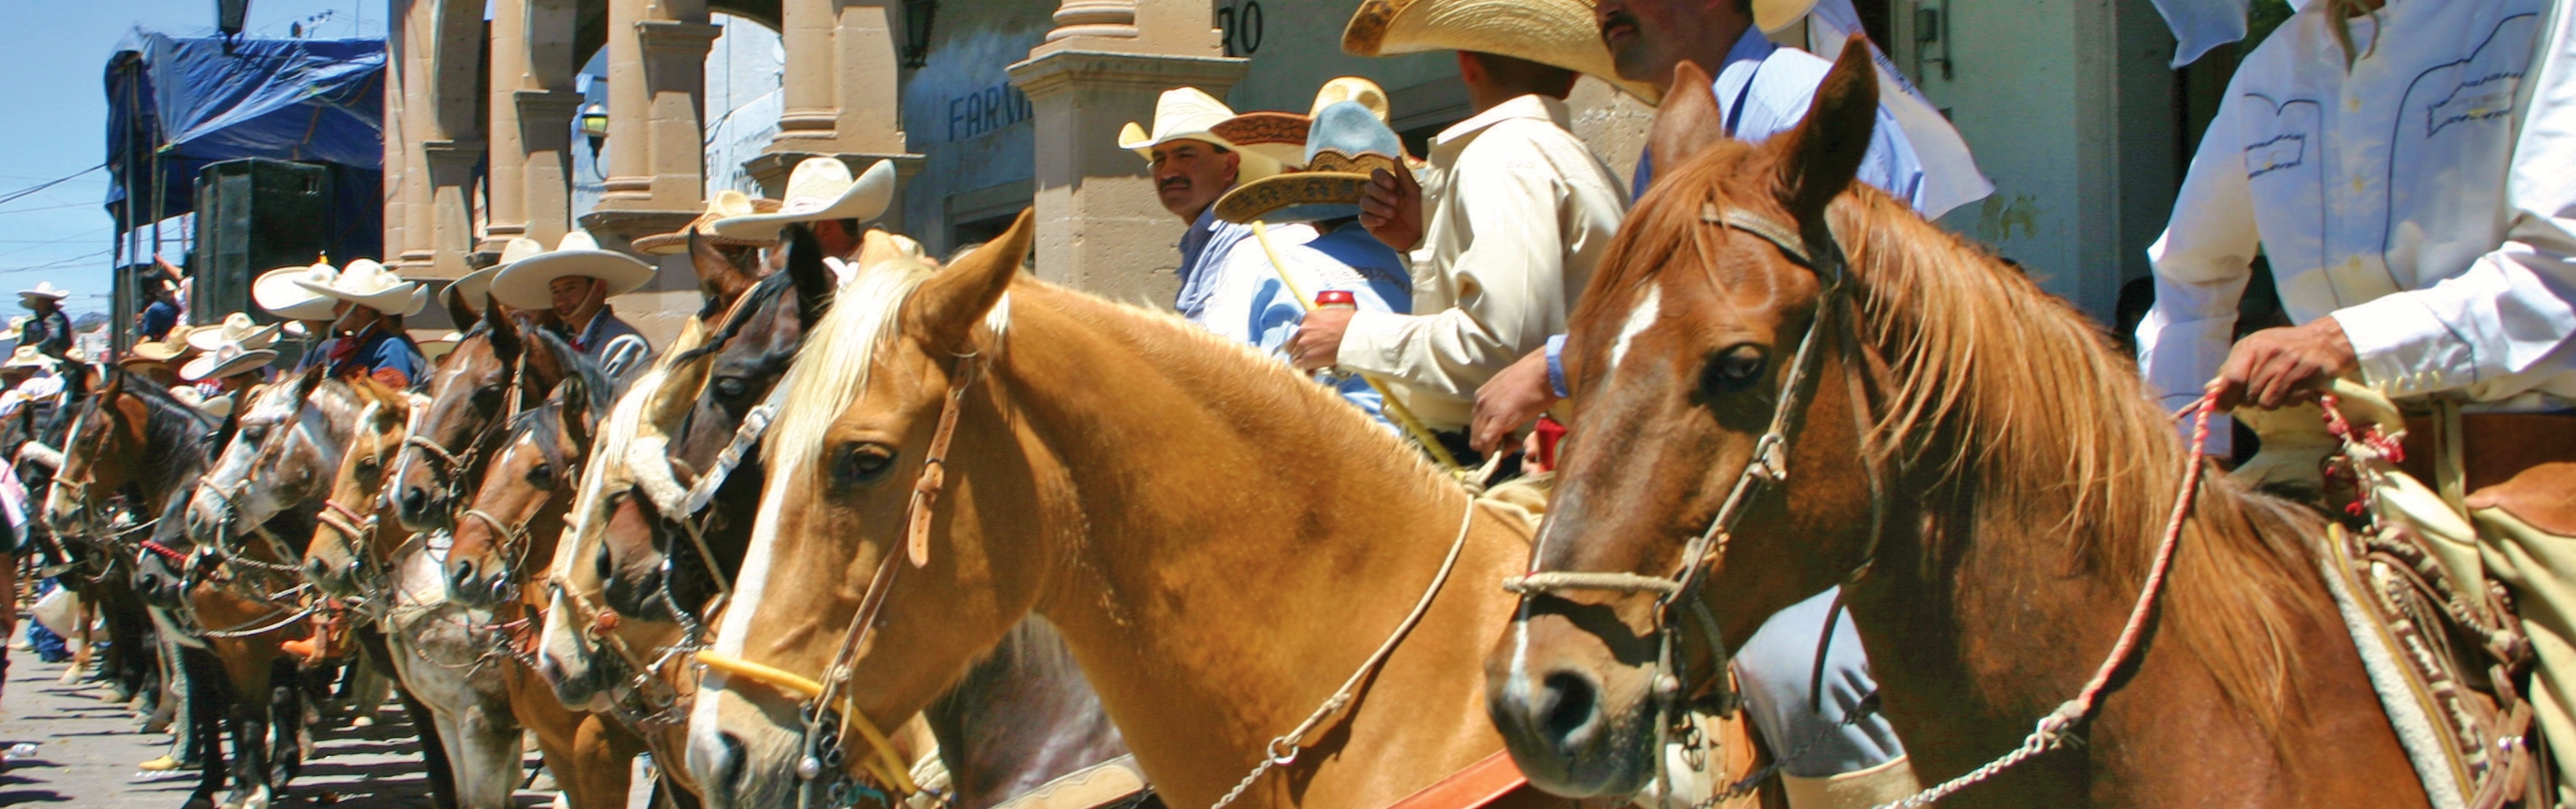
x,y
1522,214
2426,201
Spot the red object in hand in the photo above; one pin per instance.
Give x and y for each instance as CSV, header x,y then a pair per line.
x,y
1549,433
1336,299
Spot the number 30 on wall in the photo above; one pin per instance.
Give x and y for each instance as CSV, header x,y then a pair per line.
x,y
1242,25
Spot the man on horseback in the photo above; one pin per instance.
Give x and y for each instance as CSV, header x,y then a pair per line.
x,y
367,333
2402,168
821,195
575,281
1192,167
51,330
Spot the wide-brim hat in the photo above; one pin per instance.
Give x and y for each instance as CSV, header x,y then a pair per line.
x,y
522,284
45,290
1189,113
1282,135
375,286
819,190
163,350
1344,146
226,360
727,204
1550,32
433,349
276,292
219,407
29,357
236,328
476,287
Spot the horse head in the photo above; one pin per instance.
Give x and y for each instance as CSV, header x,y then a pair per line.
x,y
517,512
344,559
469,397
285,448
862,421
1694,366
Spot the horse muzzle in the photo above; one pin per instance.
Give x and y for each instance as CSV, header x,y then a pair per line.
x,y
744,751
1578,725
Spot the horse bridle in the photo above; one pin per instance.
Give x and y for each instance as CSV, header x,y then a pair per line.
x,y
1822,254
454,468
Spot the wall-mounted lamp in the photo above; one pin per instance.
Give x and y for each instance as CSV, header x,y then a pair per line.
x,y
594,126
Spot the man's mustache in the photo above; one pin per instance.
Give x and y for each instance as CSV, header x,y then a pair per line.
x,y
1617,18
1174,182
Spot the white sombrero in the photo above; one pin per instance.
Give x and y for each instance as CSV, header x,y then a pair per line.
x,y
237,328
1550,32
522,284
29,357
45,290
727,204
1188,113
476,286
276,292
226,360
820,189
218,407
375,286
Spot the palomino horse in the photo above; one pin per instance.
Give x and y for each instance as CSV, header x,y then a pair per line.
x,y
1963,453
476,386
1023,717
1224,544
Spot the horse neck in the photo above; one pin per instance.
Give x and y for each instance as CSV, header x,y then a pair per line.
x,y
1290,538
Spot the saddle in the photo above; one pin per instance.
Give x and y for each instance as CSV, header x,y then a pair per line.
x,y
2440,638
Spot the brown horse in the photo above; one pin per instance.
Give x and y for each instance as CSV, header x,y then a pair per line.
x,y
470,393
1968,458
1222,543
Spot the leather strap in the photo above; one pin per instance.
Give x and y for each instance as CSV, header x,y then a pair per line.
x,y
1480,784
934,467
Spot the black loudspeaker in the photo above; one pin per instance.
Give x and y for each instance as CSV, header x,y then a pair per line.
x,y
253,216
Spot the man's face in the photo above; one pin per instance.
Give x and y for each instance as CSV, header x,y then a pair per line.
x,y
571,292
1646,37
1189,175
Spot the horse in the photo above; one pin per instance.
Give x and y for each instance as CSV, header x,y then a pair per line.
x,y
34,435
1172,502
1965,455
475,387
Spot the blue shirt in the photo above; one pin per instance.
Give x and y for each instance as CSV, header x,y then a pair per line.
x,y
1246,301
1765,89
378,350
1203,249
159,318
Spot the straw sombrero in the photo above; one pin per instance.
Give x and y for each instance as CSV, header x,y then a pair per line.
x,y
1346,143
375,286
219,407
45,290
1551,32
29,357
522,284
1188,113
1281,136
434,349
236,328
226,360
276,292
727,204
162,350
819,190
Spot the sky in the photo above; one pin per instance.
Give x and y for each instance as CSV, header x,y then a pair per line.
x,y
53,60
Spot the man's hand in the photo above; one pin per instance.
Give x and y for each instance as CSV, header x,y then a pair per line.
x,y
2275,367
1511,400
1318,341
1391,209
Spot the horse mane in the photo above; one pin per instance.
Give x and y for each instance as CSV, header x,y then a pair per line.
x,y
840,351
577,366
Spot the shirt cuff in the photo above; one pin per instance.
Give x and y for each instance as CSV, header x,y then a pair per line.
x,y
1373,342
1556,366
2403,349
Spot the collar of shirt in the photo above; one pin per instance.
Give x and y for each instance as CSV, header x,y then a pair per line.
x,y
590,332
1203,250
1537,107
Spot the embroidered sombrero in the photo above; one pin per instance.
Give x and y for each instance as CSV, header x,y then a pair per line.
x,y
1189,113
236,328
1281,136
1550,32
727,204
1345,144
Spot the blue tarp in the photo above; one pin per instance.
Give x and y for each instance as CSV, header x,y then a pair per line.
x,y
198,102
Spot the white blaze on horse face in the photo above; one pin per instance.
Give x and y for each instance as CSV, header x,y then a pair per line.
x,y
1643,317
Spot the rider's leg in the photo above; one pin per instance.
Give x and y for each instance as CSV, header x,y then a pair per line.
x,y
1776,669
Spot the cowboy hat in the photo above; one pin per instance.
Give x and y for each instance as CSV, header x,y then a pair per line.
x,y
818,190
226,360
433,349
1187,113
476,287
236,328
1550,32
17,328
727,204
29,357
1281,136
45,290
1345,144
218,407
276,292
375,286
162,350
523,283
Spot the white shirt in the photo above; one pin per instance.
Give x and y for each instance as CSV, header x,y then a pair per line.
x,y
1525,213
2427,202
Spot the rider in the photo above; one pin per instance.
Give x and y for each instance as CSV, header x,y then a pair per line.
x,y
2403,168
1520,211
51,331
574,281
367,338
1192,167
1261,304
820,194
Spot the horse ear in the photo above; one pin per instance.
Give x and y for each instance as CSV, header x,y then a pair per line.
x,y
114,377
458,311
504,332
951,302
1824,153
1688,122
310,379
717,275
579,418
815,280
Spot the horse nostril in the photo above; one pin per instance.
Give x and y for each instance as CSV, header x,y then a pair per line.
x,y
729,769
318,568
415,501
1567,703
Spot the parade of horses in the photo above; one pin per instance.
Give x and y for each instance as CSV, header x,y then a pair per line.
x,y
1334,455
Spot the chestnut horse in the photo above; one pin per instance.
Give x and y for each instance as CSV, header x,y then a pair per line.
x,y
1967,457
470,393
1222,542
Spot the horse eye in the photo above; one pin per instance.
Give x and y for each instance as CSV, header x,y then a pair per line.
x,y
370,467
1733,369
543,476
256,434
862,464
731,387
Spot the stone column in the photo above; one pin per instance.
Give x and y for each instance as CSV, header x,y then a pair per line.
x,y
1100,226
507,194
532,105
657,53
841,94
397,223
